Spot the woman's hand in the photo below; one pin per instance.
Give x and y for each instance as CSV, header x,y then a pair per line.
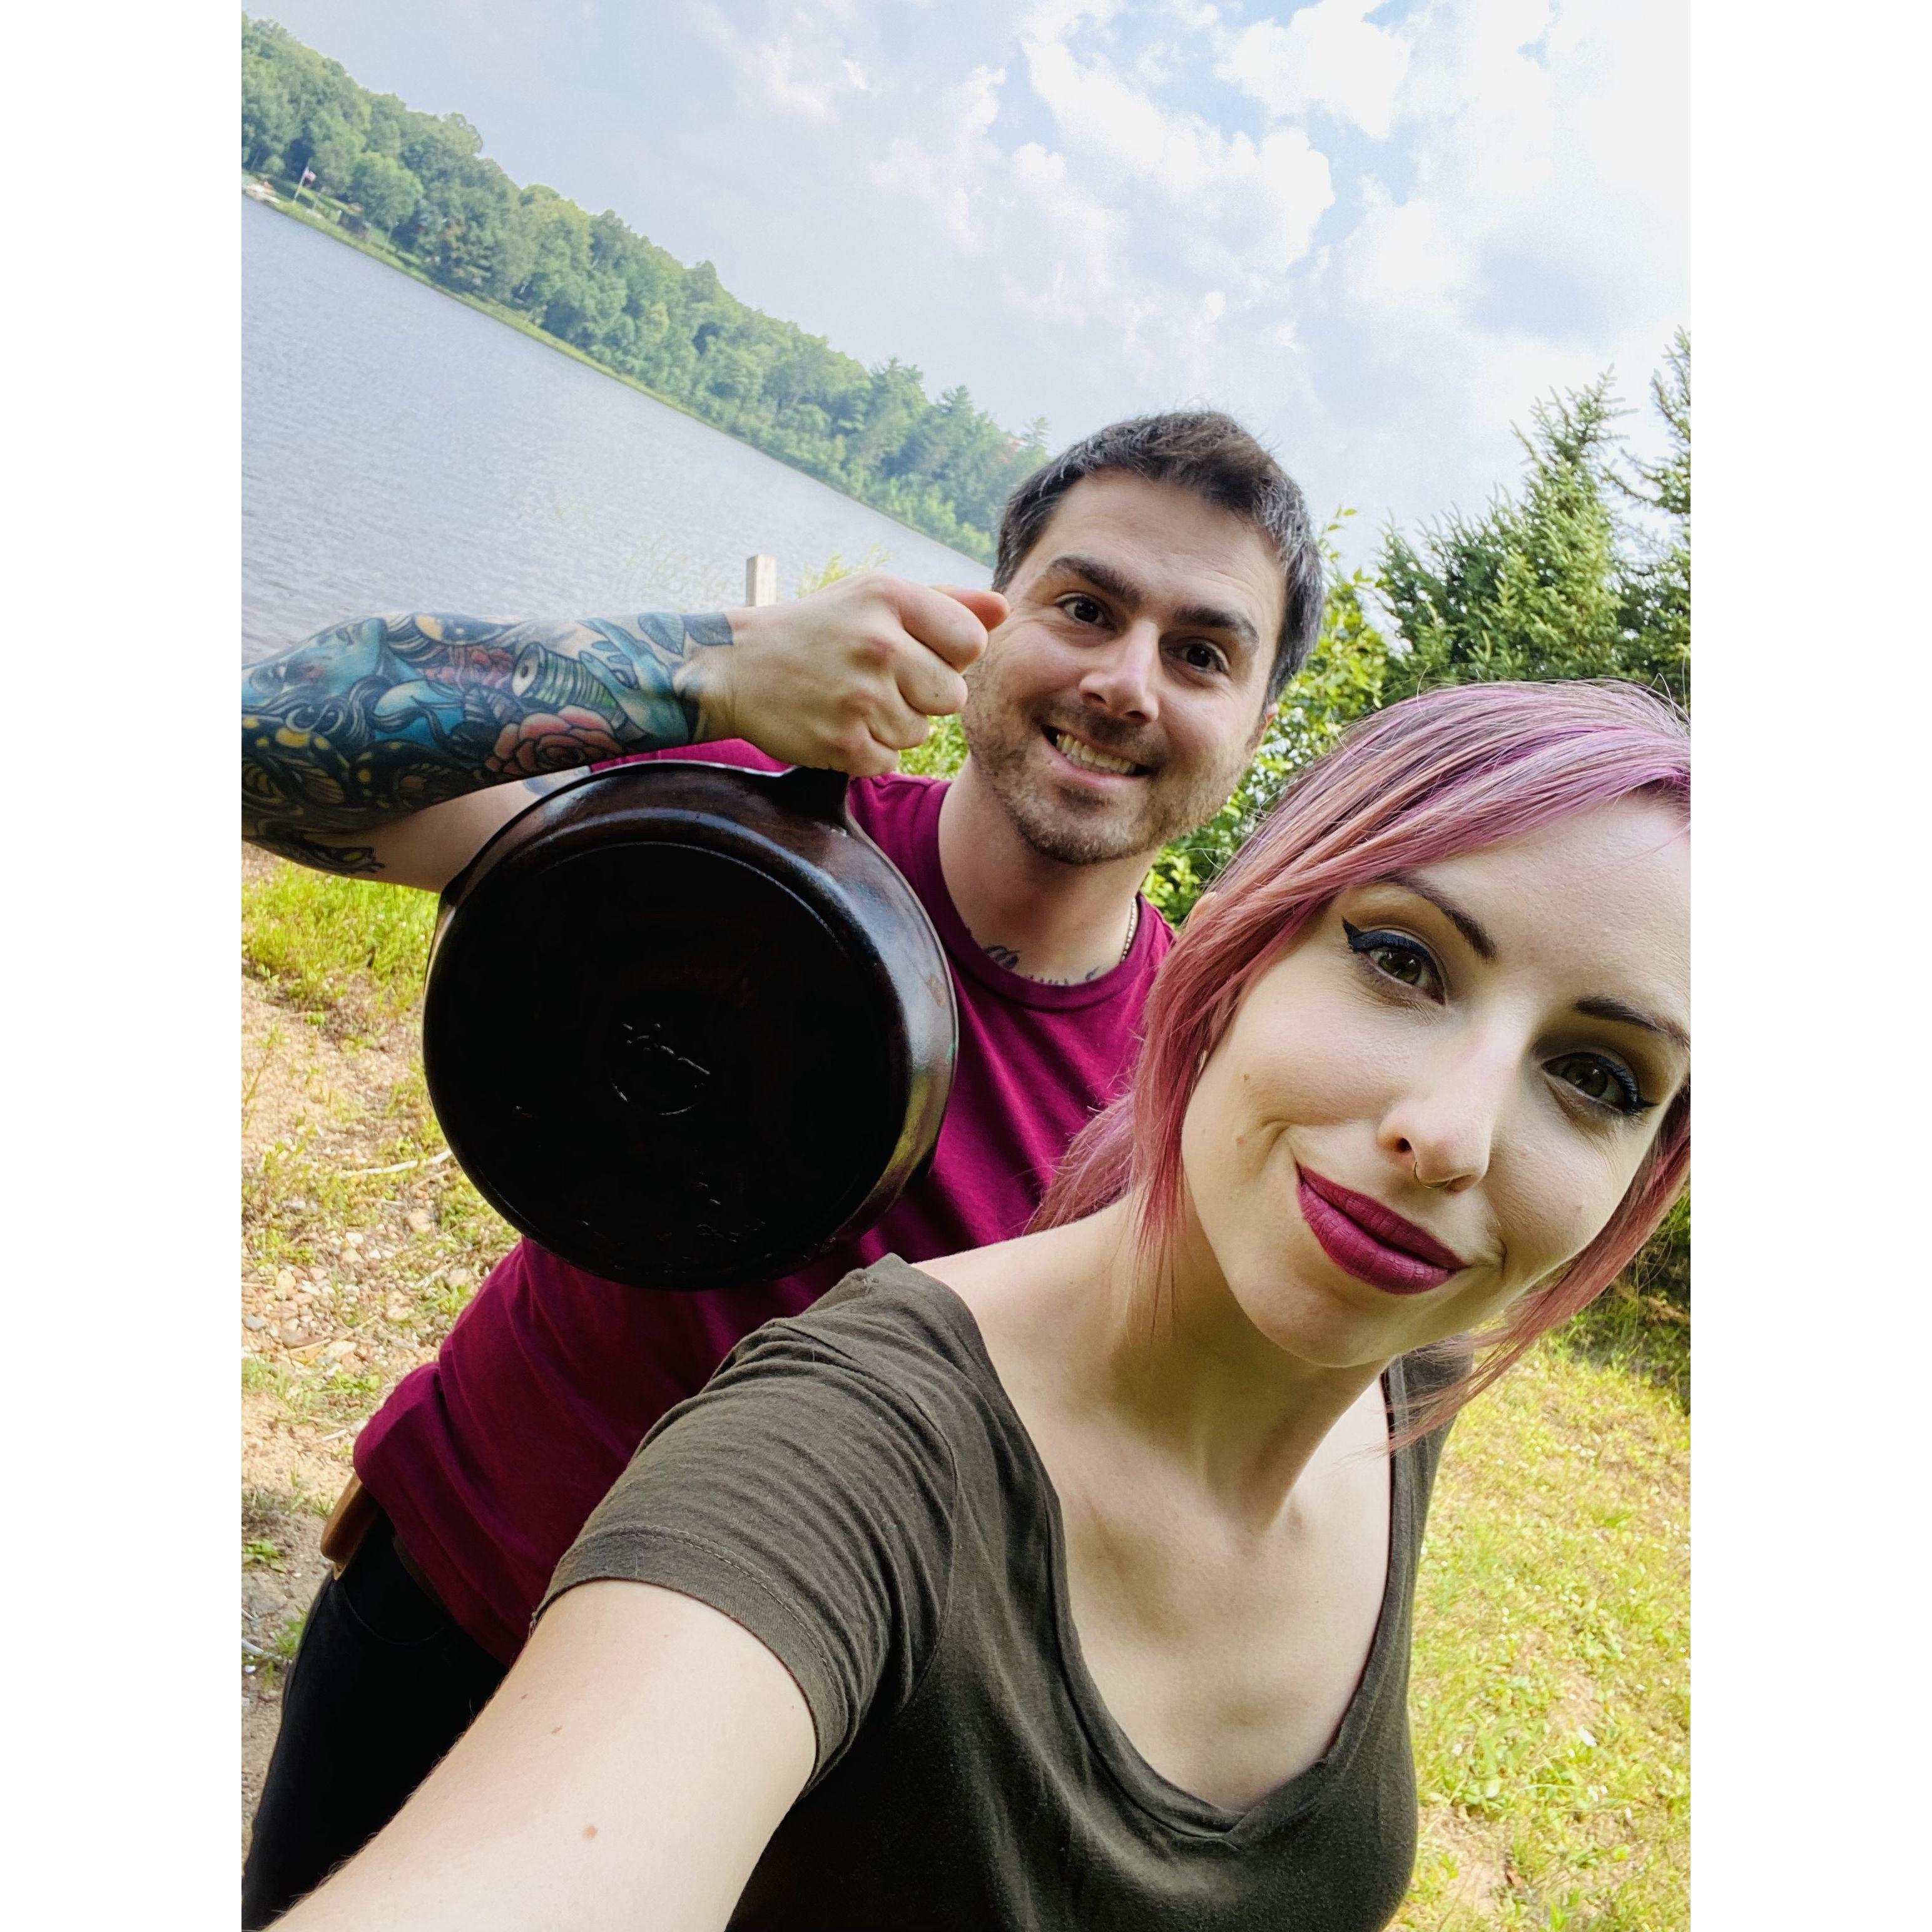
x,y
628,1772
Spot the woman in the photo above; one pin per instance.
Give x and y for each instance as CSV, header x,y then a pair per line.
x,y
1067,1583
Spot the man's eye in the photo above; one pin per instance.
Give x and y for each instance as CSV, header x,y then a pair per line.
x,y
1201,657
1397,957
1084,611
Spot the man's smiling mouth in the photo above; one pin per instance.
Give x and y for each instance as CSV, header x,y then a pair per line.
x,y
1084,755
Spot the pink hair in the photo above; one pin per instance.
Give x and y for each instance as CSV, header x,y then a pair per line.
x,y
1449,771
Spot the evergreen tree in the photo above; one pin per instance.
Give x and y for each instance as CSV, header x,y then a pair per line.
x,y
1553,582
1659,581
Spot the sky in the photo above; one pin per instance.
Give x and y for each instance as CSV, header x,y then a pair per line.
x,y
1376,233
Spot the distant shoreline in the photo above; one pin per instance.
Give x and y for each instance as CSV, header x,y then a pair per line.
x,y
389,258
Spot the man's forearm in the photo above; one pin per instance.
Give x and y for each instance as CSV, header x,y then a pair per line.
x,y
378,718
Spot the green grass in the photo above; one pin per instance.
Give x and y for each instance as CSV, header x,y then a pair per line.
x,y
346,951
266,1378
1642,1334
1551,1684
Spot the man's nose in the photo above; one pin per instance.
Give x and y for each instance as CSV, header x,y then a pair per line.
x,y
1122,677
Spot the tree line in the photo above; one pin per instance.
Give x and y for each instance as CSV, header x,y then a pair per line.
x,y
422,183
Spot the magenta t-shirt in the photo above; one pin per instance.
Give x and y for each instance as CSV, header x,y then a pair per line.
x,y
489,1459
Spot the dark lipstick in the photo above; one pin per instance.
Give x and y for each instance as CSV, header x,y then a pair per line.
x,y
1373,1243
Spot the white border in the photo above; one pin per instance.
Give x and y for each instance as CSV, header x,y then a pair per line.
x,y
121,1057
1812,1279
121,1054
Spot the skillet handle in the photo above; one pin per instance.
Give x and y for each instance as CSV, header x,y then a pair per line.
x,y
819,794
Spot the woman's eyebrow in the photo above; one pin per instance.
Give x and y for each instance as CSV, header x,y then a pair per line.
x,y
1602,1006
1597,1006
1470,927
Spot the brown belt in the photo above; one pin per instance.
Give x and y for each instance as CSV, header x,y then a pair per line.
x,y
349,1523
355,1513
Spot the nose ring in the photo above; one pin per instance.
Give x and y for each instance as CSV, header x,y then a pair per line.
x,y
1431,1184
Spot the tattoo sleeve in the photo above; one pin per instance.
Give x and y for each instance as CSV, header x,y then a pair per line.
x,y
377,718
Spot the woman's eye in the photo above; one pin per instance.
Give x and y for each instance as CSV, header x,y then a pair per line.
x,y
1397,958
1601,1080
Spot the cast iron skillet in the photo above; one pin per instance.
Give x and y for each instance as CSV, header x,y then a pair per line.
x,y
686,1025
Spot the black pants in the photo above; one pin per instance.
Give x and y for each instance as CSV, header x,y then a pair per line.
x,y
382,1685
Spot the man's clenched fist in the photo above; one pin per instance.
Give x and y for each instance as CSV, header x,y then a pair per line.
x,y
847,678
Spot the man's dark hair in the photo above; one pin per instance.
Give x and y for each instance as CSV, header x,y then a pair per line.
x,y
1211,454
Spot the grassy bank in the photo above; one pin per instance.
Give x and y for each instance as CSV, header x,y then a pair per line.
x,y
1550,1680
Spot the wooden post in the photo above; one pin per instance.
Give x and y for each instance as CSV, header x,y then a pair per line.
x,y
761,580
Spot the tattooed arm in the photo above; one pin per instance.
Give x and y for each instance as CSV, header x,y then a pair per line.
x,y
391,745
366,724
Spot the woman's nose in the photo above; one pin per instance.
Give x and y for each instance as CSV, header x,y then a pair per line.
x,y
1443,1132
1121,677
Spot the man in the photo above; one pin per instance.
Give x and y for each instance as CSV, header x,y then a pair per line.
x,y
1157,584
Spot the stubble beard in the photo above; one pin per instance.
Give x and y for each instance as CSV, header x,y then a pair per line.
x,y
1007,746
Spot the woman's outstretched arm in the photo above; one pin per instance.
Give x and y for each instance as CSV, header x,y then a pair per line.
x,y
628,1773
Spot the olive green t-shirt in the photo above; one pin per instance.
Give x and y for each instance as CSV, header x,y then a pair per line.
x,y
854,1488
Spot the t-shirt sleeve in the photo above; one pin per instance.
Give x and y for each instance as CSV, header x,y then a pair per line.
x,y
808,1501
735,751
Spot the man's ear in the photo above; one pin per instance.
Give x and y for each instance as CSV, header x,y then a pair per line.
x,y
1268,714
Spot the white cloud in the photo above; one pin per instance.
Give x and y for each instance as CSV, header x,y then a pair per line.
x,y
800,68
773,63
1404,256
1072,269
1270,194
1061,203
1329,56
1059,206
948,163
1540,238
1486,101
1550,145
1059,19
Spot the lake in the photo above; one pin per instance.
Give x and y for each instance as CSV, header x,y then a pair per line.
x,y
402,451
